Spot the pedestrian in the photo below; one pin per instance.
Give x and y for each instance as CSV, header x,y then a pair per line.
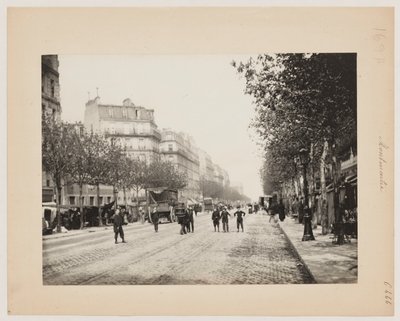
x,y
239,221
118,221
155,218
272,210
225,220
141,215
215,218
183,220
190,226
281,211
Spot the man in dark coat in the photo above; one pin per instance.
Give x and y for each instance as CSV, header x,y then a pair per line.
x,y
190,224
118,221
281,211
155,218
183,221
239,221
215,218
225,219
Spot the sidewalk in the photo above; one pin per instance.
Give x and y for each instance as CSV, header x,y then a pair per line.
x,y
327,262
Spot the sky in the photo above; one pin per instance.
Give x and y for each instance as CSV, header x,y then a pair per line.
x,y
201,95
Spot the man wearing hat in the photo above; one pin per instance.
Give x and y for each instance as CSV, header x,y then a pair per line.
x,y
215,218
155,218
225,220
239,221
118,221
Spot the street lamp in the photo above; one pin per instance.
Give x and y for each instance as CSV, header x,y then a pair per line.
x,y
308,233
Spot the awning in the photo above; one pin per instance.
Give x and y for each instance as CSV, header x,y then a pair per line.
x,y
352,179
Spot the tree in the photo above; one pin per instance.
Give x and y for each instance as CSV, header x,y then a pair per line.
x,y
82,158
99,166
136,175
115,157
56,154
165,174
302,100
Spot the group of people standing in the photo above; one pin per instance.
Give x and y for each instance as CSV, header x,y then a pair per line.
x,y
185,220
222,214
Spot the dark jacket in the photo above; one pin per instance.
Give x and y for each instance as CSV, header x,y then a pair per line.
x,y
118,221
155,217
216,216
224,216
239,214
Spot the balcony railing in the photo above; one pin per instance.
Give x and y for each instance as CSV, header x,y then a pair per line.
x,y
133,133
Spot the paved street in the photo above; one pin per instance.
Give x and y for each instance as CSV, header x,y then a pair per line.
x,y
260,255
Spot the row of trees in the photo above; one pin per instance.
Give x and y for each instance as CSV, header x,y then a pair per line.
x,y
302,101
218,191
72,156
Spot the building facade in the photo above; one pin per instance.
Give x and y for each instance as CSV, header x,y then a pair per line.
x,y
180,149
132,126
51,107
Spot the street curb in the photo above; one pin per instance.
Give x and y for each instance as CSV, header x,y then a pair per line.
x,y
297,253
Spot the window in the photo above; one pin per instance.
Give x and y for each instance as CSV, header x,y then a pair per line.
x,y
52,85
72,200
141,143
124,112
101,200
109,199
110,112
171,158
47,182
91,200
137,113
170,147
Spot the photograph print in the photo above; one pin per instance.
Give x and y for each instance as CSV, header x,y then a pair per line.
x,y
199,169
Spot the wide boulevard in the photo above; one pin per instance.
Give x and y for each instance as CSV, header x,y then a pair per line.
x,y
259,255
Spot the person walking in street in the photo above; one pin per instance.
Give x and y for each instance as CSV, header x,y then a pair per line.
x,y
190,226
239,220
155,218
141,215
183,220
118,222
225,220
281,210
215,218
273,210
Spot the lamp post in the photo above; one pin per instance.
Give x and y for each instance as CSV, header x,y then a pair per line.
x,y
308,233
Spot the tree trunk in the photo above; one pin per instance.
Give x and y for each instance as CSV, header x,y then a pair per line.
x,y
81,204
147,203
115,197
324,209
125,201
313,207
338,216
98,204
58,203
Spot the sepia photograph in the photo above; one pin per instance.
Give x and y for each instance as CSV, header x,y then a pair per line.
x,y
200,161
199,169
